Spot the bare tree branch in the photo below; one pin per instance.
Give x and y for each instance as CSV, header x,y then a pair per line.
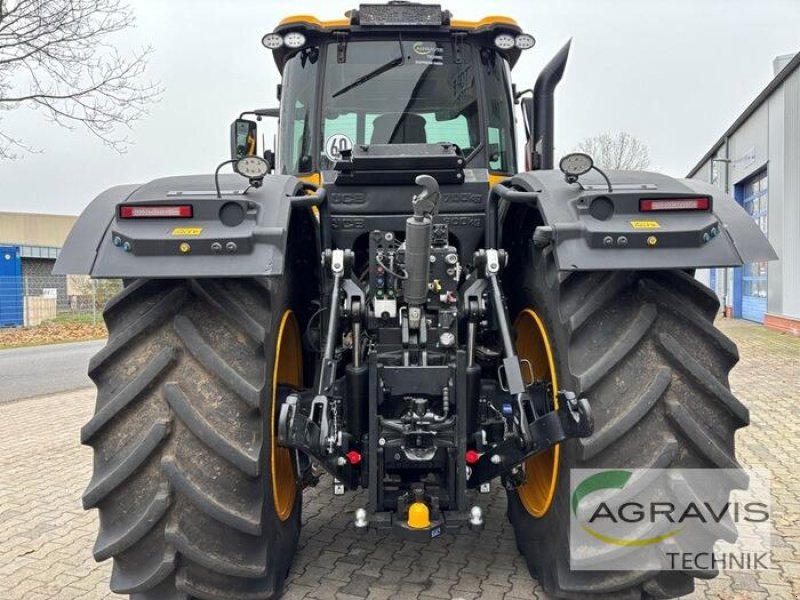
x,y
13,148
617,151
57,56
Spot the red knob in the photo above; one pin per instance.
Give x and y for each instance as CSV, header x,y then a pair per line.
x,y
472,457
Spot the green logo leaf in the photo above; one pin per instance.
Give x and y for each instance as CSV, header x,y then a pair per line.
x,y
599,481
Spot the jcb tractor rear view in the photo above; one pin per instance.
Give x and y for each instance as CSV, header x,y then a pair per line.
x,y
386,298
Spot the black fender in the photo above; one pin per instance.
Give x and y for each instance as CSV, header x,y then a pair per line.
x,y
250,241
592,228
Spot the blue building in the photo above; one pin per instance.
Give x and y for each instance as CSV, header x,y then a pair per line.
x,y
757,161
11,305
29,246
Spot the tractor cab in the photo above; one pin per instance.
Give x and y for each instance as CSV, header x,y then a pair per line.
x,y
393,91
401,75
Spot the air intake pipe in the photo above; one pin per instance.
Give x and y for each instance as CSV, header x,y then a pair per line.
x,y
544,109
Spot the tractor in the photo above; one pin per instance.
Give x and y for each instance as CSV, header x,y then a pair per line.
x,y
384,301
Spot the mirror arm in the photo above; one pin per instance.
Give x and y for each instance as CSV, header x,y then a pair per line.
x,y
262,112
520,94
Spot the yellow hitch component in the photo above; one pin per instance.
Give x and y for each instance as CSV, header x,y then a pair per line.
x,y
419,517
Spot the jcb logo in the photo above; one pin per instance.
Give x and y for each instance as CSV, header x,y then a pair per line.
x,y
348,223
348,198
463,221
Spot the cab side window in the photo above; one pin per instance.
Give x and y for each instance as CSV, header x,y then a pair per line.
x,y
500,122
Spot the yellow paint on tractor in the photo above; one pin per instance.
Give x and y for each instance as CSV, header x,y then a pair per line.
x,y
484,23
287,370
495,178
312,20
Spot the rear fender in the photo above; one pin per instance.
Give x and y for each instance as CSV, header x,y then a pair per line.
x,y
252,243
585,238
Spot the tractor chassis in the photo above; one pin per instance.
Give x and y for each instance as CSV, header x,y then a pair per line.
x,y
341,423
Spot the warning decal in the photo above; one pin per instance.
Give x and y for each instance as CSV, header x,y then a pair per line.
x,y
645,225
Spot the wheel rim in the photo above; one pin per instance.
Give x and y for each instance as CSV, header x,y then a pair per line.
x,y
541,470
287,370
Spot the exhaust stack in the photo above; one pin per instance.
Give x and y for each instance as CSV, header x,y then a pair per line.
x,y
544,109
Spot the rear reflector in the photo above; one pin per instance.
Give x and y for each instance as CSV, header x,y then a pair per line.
x,y
155,212
354,457
472,457
673,204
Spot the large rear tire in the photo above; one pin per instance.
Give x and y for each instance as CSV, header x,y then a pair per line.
x,y
195,498
641,346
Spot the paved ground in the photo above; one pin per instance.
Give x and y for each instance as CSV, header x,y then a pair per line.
x,y
46,539
40,370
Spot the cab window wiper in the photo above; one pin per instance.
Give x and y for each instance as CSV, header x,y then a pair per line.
x,y
371,75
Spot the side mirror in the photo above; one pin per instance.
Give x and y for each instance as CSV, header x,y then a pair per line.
x,y
244,138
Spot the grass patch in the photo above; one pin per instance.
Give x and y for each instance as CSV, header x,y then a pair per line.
x,y
56,331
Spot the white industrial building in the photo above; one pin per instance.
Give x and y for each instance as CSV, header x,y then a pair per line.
x,y
757,161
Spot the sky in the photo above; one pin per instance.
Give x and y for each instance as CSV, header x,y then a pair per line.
x,y
674,73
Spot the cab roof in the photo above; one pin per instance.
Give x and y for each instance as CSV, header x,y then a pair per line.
x,y
395,16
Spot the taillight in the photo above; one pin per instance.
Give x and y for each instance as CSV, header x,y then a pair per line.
x,y
151,211
657,204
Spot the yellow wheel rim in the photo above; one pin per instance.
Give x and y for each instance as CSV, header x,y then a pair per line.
x,y
541,470
287,370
